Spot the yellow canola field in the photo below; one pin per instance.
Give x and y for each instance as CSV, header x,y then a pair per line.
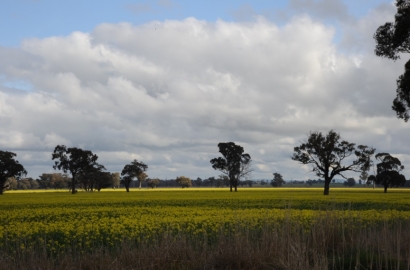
x,y
61,221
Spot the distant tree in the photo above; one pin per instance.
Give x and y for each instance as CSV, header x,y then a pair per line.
x,y
388,172
141,178
132,171
278,179
152,183
325,154
33,183
363,177
249,183
73,160
25,183
392,39
211,181
309,182
198,182
263,183
184,181
234,163
350,182
12,183
54,180
9,167
115,179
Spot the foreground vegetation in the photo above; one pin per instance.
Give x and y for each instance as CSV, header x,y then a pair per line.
x,y
207,228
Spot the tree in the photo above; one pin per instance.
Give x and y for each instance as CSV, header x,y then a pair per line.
x,y
350,182
198,182
152,183
141,178
9,167
54,180
75,160
90,177
388,172
392,39
211,181
326,154
184,181
115,180
363,177
278,179
132,171
103,180
234,163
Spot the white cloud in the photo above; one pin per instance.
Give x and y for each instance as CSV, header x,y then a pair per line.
x,y
168,92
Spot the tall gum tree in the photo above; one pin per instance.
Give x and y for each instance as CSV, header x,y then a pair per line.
x,y
73,160
234,163
326,155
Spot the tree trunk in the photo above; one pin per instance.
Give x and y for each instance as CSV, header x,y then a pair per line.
x,y
140,184
385,189
327,186
73,183
236,188
230,185
127,188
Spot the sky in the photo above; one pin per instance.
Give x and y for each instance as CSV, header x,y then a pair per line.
x,y
165,81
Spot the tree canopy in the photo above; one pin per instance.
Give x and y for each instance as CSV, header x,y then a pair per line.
x,y
184,181
388,172
75,160
392,39
131,171
277,180
9,167
234,163
327,154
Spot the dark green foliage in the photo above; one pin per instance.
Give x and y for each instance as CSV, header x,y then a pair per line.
x,y
75,160
350,182
234,163
277,180
388,172
9,167
401,103
94,177
325,155
392,39
132,171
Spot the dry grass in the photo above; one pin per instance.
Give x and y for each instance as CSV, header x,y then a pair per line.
x,y
329,244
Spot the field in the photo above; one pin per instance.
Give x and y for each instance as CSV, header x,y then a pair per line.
x,y
350,227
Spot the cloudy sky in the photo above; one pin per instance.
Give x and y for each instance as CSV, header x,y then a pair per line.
x,y
165,81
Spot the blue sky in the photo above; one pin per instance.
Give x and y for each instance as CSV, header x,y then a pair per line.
x,y
20,19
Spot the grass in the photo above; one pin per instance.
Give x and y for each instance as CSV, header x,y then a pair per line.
x,y
207,228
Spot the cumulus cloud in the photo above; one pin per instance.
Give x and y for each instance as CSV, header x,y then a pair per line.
x,y
168,92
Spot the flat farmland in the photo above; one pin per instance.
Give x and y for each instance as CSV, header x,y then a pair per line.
x,y
60,223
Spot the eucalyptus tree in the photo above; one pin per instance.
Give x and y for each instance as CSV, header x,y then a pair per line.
x,y
234,163
328,155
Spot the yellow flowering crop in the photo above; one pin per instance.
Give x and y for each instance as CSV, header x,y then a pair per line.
x,y
81,222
